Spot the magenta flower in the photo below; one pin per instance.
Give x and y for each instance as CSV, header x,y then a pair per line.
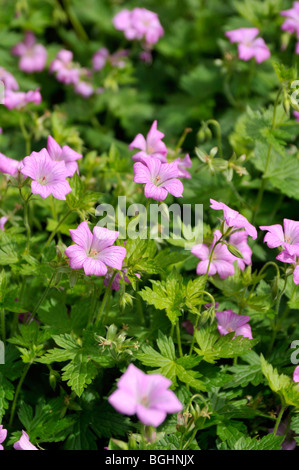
x,y
147,396
3,221
248,45
296,113
19,99
288,236
239,240
228,321
9,166
234,219
8,79
23,443
296,374
33,56
66,71
49,177
94,251
291,24
184,163
152,146
102,56
65,154
139,24
285,257
159,178
222,259
3,434
84,89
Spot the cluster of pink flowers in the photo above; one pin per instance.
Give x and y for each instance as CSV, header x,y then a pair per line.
x,y
286,238
153,170
291,24
103,56
48,169
71,73
139,24
33,56
238,228
14,99
147,396
249,46
22,444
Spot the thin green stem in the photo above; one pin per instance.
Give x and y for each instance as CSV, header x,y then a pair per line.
x,y
106,295
79,30
57,227
218,133
35,310
25,133
18,389
26,218
178,335
278,419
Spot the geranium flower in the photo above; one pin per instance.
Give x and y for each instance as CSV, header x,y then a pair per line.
x,y
3,434
291,24
65,154
94,251
286,257
145,395
66,71
151,146
9,166
296,374
49,177
3,221
33,56
19,99
249,46
239,240
182,164
8,79
229,321
139,23
222,259
102,56
233,218
159,179
288,236
23,443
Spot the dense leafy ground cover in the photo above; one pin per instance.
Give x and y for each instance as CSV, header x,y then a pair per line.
x,y
143,342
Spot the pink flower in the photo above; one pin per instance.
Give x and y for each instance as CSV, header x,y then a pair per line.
x,y
102,56
84,89
3,434
159,178
66,71
288,237
49,177
182,165
33,56
94,251
248,46
139,23
117,279
222,259
229,321
234,219
291,24
9,166
296,113
152,146
19,99
65,154
296,374
145,395
239,240
285,257
8,79
23,443
3,221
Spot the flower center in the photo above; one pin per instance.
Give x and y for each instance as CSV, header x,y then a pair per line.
x,y
230,330
93,252
42,180
150,149
288,239
144,401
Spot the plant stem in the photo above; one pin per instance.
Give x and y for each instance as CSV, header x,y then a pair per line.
x,y
218,133
26,218
278,419
178,335
26,135
34,311
57,227
80,31
106,295
18,389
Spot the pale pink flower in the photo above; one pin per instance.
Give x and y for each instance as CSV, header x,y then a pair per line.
x,y
222,260
66,71
3,434
296,374
228,321
49,177
286,257
103,56
184,163
19,99
3,221
151,146
288,236
291,24
146,395
9,166
159,178
65,154
23,443
33,56
239,240
94,251
84,89
8,80
248,45
234,219
296,113
140,24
